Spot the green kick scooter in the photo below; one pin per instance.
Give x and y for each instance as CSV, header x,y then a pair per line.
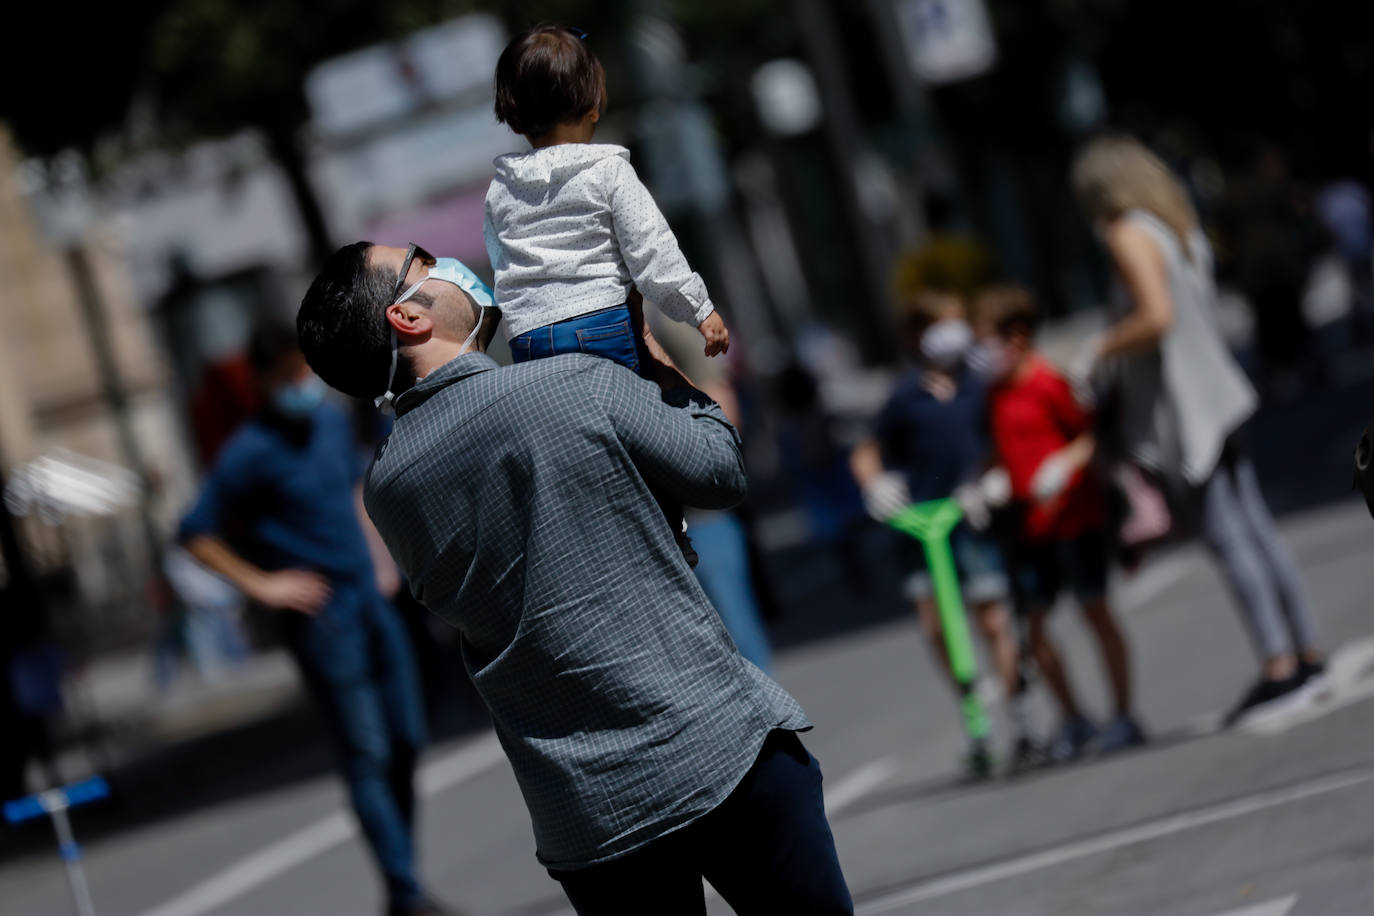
x,y
931,523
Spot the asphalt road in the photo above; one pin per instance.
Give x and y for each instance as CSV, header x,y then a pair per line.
x,y
1262,822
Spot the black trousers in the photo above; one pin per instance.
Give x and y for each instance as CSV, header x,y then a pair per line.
x,y
767,849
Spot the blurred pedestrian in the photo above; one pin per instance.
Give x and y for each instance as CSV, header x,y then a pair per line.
x,y
1044,440
929,442
517,503
719,536
1181,401
1259,223
1346,213
277,517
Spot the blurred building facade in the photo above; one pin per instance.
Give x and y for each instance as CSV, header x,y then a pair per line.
x,y
61,305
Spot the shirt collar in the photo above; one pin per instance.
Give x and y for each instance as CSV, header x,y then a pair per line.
x,y
455,370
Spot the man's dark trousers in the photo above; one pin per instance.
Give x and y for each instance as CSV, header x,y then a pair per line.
x,y
767,849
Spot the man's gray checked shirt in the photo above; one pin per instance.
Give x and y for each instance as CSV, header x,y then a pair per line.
x,y
515,501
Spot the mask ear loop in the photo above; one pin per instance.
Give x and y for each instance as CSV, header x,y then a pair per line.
x,y
385,399
481,316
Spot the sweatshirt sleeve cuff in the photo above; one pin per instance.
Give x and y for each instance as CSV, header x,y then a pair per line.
x,y
703,311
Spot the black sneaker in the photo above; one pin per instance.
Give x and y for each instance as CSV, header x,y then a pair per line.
x,y
1026,755
1119,734
978,762
1264,692
1309,670
1312,677
1075,739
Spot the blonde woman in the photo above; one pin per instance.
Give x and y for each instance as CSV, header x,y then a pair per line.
x,y
1182,400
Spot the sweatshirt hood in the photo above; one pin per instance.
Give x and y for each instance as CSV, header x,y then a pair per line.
x,y
554,163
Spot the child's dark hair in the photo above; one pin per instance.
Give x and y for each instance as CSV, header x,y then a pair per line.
x,y
547,76
1007,309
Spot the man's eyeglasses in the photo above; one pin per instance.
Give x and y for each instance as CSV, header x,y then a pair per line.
x,y
412,252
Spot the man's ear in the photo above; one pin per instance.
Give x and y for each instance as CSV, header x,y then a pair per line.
x,y
413,323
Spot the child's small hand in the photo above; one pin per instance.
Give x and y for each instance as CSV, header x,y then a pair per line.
x,y
714,331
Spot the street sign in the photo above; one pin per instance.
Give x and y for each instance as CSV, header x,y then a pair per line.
x,y
947,40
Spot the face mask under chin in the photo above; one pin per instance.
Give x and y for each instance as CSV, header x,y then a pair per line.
x,y
301,398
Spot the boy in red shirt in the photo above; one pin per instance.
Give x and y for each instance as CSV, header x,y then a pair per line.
x,y
1044,440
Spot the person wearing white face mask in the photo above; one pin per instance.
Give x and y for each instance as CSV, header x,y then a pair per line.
x,y
286,483
930,443
517,502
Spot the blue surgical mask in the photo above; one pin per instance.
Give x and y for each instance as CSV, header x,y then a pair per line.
x,y
449,270
301,398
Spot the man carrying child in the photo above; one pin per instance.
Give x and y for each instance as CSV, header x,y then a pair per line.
x,y
521,505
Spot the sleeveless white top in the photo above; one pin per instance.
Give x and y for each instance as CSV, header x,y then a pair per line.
x,y
1180,403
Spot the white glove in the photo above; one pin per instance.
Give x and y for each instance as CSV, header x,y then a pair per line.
x,y
995,486
1051,477
886,495
970,498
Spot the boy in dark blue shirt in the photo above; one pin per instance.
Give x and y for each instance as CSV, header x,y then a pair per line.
x,y
930,442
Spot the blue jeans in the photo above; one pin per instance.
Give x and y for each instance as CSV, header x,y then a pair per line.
x,y
724,576
357,663
767,849
609,333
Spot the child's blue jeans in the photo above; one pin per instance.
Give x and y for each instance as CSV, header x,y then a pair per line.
x,y
609,333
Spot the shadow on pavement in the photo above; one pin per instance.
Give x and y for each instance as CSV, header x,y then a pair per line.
x,y
947,786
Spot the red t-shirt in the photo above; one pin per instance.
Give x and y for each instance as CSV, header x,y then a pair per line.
x,y
1032,418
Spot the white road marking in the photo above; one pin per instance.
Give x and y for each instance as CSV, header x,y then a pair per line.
x,y
1133,591
460,765
318,838
260,867
859,783
1276,907
1152,830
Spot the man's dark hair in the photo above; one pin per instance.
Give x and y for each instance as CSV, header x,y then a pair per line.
x,y
342,323
270,342
546,77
